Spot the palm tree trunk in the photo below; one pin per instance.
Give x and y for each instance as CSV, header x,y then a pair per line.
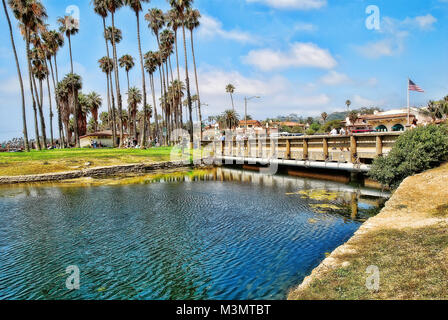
x,y
187,83
30,72
145,111
178,78
41,115
57,106
64,140
75,98
50,104
117,82
162,102
19,73
110,92
231,97
156,116
197,84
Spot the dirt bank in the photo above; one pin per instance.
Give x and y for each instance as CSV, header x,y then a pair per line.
x,y
407,241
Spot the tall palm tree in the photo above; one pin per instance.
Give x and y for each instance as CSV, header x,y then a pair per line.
x,y
151,59
127,62
19,74
94,102
230,89
172,17
53,42
136,6
31,15
231,118
348,103
100,8
70,26
156,21
180,6
192,23
112,7
134,99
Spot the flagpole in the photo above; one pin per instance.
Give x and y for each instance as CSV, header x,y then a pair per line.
x,y
409,105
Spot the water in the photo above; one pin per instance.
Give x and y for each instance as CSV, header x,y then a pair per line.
x,y
223,234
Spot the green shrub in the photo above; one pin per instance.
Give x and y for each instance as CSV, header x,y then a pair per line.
x,y
414,152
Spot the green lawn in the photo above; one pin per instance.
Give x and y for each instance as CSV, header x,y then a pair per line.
x,y
37,162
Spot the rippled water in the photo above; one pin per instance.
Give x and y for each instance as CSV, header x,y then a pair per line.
x,y
226,234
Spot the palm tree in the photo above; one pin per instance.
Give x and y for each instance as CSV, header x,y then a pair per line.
x,y
136,5
230,88
73,84
151,59
94,102
192,23
31,15
100,8
353,116
156,21
70,26
231,118
172,17
324,116
19,73
53,42
127,62
348,103
82,113
134,99
112,7
40,72
107,66
180,6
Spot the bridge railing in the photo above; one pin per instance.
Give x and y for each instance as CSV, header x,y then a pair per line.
x,y
355,148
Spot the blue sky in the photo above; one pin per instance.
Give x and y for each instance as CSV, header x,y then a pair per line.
x,y
300,56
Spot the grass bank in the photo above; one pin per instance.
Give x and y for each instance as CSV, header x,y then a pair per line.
x,y
52,161
407,241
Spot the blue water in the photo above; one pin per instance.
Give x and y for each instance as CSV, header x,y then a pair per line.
x,y
205,239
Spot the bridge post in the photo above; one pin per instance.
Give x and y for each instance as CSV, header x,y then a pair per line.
x,y
223,148
288,150
379,146
305,149
326,153
246,146
353,149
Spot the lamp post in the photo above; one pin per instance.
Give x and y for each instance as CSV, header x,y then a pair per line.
x,y
245,108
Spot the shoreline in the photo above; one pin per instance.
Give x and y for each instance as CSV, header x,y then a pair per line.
x,y
413,207
106,171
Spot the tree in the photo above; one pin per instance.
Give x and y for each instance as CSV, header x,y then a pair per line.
x,y
348,103
151,59
231,119
324,116
31,14
112,7
70,26
94,102
180,6
230,89
192,23
136,6
19,74
100,8
40,72
134,99
353,116
127,62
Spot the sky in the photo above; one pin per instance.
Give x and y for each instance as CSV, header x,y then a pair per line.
x,y
300,56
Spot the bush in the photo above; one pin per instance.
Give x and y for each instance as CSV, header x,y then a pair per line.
x,y
414,152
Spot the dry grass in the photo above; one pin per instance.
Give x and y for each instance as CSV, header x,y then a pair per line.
x,y
39,162
408,241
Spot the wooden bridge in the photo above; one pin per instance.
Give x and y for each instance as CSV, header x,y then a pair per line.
x,y
343,152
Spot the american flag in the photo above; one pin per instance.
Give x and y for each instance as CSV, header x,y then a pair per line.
x,y
414,87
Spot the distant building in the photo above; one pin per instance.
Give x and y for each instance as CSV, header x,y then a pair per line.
x,y
103,137
250,124
388,121
288,124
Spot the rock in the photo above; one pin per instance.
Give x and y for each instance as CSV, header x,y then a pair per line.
x,y
345,264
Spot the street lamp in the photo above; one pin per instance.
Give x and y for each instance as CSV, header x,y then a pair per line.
x,y
245,107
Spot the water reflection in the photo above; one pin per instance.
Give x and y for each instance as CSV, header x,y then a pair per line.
x,y
214,234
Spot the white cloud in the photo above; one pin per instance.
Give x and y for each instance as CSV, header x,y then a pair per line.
x,y
423,22
293,4
211,27
304,27
335,78
359,101
300,55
